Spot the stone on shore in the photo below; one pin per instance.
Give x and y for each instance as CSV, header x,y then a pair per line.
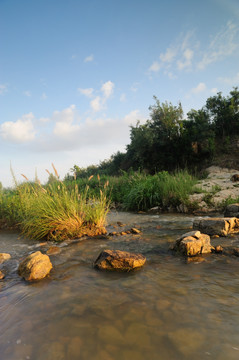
x,y
119,260
193,243
217,226
36,266
4,257
232,210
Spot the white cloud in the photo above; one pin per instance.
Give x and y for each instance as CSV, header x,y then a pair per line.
x,y
107,89
122,98
89,58
87,92
20,131
96,104
43,96
27,93
169,55
199,88
64,122
222,45
232,81
214,90
187,59
3,89
155,67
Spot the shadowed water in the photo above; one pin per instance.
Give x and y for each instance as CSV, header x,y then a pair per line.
x,y
170,309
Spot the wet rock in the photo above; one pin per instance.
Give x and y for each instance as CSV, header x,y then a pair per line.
x,y
218,249
119,260
2,275
110,334
53,250
217,226
193,243
186,341
235,177
236,251
36,266
232,210
135,231
154,210
4,257
74,348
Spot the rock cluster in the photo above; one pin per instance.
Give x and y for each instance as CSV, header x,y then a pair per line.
x,y
119,260
217,226
193,243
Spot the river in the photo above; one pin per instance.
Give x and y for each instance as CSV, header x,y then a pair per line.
x,y
170,309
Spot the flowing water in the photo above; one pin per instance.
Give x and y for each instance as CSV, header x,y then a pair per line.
x,y
170,309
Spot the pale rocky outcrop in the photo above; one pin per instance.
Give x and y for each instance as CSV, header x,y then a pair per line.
x,y
219,185
36,266
217,226
4,257
119,260
193,243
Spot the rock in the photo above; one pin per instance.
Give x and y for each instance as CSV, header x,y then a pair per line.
x,y
154,210
232,210
36,266
236,251
53,250
4,257
2,276
235,177
119,260
218,249
135,231
182,209
193,243
217,226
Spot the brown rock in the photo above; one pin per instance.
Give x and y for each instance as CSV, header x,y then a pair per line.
x,y
236,251
4,257
232,210
36,266
53,250
119,260
217,226
193,243
135,231
235,177
2,276
218,249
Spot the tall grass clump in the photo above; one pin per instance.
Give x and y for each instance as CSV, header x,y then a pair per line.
x,y
57,213
162,189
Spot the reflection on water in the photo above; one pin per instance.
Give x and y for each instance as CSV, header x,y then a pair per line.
x,y
167,310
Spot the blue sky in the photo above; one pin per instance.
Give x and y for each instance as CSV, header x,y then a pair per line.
x,y
74,75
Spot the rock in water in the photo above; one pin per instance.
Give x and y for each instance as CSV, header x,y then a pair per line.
x,y
4,257
36,266
217,226
193,243
232,210
119,260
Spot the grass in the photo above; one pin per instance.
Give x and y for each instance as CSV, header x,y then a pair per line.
x,y
55,212
137,191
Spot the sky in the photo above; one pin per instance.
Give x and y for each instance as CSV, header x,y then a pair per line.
x,y
75,75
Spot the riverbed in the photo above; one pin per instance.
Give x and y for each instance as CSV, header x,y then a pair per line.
x,y
170,309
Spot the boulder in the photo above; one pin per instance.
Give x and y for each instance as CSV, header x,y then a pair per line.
x,y
193,243
217,226
4,257
235,177
119,260
232,210
36,266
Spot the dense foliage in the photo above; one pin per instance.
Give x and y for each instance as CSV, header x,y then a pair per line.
x,y
167,141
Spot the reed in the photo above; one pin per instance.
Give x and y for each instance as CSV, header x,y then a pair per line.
x,y
57,213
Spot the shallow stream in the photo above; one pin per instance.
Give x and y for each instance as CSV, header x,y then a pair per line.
x,y
170,309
